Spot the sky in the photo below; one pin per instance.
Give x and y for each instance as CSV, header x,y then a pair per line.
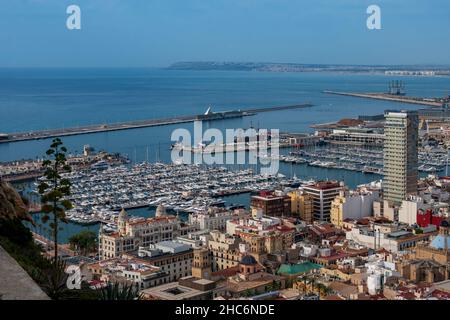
x,y
156,33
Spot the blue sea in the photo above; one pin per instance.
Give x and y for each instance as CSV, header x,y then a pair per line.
x,y
32,99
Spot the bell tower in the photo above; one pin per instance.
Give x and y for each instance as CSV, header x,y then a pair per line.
x,y
122,222
201,266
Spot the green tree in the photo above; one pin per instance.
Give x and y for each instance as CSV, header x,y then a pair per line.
x,y
289,282
323,290
312,283
274,286
304,280
55,189
84,242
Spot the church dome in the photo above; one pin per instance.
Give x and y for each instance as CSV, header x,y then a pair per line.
x,y
123,215
248,260
439,242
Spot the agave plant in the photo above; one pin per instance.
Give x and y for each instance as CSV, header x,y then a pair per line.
x,y
53,279
117,291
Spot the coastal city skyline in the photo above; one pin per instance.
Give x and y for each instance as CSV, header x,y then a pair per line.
x,y
226,158
211,232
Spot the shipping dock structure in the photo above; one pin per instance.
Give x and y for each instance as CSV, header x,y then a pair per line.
x,y
207,116
429,102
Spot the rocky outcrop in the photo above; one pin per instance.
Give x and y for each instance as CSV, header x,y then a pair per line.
x,y
12,205
18,253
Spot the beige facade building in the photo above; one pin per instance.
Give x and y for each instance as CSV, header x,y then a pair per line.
x,y
128,271
133,234
170,256
224,251
301,205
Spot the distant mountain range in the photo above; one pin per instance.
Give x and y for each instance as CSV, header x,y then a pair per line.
x,y
425,70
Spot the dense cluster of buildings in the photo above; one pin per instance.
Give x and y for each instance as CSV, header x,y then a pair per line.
x,y
385,240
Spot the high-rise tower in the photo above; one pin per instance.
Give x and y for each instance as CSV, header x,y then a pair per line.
x,y
400,155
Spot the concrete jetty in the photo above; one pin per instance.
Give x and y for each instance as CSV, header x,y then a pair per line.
x,y
209,116
388,97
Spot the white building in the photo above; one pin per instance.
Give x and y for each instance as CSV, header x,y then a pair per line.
x,y
172,257
409,208
378,271
195,239
128,270
214,218
307,250
379,236
353,205
255,224
133,234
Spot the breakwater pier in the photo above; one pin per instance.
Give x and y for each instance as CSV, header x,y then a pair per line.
x,y
208,116
429,102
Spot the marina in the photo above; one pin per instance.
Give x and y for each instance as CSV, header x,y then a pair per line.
x,y
98,194
28,170
360,159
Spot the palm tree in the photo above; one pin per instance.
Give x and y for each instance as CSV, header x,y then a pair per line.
x,y
327,290
305,281
312,283
275,285
322,289
249,293
289,283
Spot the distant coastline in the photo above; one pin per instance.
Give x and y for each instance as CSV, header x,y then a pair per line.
x,y
400,70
